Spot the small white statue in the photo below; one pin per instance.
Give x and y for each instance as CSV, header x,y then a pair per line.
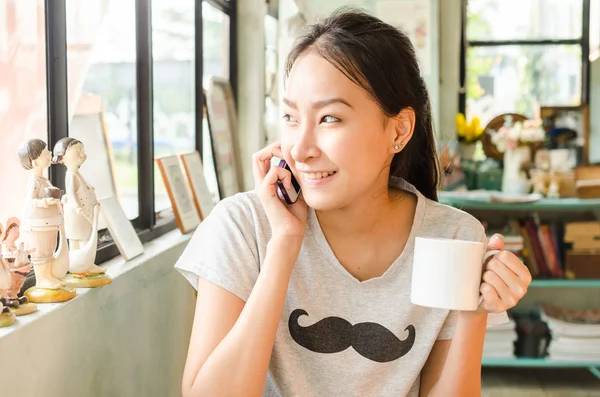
x,y
554,187
42,225
17,258
7,317
82,210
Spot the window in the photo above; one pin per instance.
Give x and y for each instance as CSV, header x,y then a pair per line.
x,y
216,62
521,54
122,80
174,85
23,113
101,51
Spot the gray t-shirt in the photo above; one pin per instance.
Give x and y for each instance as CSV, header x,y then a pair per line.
x,y
337,336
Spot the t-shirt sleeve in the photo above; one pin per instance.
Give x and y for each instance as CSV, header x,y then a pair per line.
x,y
493,319
223,249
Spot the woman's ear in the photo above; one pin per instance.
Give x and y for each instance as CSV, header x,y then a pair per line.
x,y
404,125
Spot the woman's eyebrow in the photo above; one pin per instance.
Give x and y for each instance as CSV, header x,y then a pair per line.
x,y
318,104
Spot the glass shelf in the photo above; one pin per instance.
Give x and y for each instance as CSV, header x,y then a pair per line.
x,y
566,283
545,204
526,362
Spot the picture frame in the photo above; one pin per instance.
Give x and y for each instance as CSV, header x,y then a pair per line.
x,y
576,118
89,127
180,193
120,228
221,114
194,172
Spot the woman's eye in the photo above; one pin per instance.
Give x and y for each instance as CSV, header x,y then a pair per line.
x,y
288,118
330,119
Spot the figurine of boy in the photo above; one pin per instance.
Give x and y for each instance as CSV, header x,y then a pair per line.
x,y
42,216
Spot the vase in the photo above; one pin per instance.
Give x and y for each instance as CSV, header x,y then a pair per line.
x,y
514,179
467,150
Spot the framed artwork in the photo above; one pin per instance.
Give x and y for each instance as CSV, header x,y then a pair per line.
x,y
194,172
120,228
179,192
223,136
568,127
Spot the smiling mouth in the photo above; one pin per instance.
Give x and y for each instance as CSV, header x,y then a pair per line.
x,y
316,175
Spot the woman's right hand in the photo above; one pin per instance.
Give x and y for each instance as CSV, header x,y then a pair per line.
x,y
286,220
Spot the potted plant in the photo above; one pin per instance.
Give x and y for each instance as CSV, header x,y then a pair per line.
x,y
468,133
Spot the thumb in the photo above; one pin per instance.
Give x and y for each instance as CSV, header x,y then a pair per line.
x,y
496,242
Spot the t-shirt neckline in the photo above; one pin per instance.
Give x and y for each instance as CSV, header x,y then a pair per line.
x,y
318,236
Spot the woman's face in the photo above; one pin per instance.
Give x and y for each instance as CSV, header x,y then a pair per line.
x,y
335,138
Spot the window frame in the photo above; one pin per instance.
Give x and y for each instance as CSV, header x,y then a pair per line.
x,y
583,42
147,225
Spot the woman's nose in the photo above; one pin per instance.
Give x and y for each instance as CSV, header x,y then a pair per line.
x,y
305,146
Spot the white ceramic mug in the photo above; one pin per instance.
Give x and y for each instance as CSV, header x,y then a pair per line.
x,y
447,273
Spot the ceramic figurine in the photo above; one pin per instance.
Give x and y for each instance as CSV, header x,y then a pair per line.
x,y
7,317
42,225
19,265
81,217
554,188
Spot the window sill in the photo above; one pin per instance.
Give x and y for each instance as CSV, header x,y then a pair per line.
x,y
156,260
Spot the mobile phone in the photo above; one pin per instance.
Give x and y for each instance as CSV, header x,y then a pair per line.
x,y
290,196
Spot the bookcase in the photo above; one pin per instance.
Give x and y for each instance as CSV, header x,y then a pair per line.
x,y
549,282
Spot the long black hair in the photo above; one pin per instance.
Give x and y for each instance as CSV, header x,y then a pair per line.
x,y
380,59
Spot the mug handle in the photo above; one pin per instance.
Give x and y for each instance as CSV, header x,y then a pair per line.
x,y
487,256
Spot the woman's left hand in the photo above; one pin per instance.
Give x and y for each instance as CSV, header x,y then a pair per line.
x,y
505,279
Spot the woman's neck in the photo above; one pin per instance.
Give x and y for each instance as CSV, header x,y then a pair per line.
x,y
368,215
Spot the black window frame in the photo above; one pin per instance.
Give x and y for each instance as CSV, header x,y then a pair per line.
x,y
584,42
146,224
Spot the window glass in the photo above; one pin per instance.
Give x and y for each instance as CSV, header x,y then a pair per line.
x,y
174,85
23,113
490,20
520,78
101,55
215,41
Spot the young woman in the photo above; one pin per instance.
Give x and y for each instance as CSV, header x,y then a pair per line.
x,y
313,298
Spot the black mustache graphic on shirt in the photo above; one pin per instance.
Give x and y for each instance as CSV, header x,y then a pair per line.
x,y
334,334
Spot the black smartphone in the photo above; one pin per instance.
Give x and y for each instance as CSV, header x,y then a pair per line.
x,y
290,196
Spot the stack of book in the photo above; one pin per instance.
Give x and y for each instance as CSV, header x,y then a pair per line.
x,y
500,341
575,334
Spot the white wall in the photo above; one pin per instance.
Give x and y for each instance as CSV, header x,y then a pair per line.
x,y
126,339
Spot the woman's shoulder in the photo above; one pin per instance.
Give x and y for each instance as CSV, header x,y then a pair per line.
x,y
242,210
452,222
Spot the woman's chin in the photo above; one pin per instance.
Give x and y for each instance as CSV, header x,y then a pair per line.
x,y
322,202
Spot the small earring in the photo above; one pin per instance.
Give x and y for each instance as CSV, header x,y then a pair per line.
x,y
399,146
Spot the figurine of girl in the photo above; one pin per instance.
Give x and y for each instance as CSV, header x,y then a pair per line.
x,y
17,258
81,210
42,224
7,317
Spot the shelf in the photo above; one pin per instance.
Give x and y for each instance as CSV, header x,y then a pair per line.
x,y
565,283
536,362
545,204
